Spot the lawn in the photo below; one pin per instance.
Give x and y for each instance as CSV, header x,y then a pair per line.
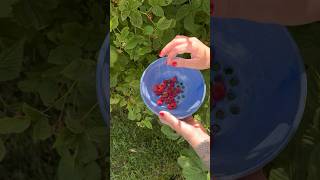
x,y
141,153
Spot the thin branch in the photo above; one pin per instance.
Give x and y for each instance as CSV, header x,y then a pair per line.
x,y
62,97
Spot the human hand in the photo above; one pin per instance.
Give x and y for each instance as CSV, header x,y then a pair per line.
x,y
200,53
192,131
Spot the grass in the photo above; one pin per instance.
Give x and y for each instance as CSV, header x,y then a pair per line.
x,y
141,153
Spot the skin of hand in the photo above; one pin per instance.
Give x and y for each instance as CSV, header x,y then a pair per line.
x,y
200,53
192,131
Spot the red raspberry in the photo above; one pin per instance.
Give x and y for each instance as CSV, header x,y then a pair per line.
x,y
159,102
174,79
167,92
219,91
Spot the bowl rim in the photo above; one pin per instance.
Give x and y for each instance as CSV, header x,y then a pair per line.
x,y
102,80
178,117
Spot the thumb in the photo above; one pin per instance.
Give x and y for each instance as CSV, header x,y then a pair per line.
x,y
168,119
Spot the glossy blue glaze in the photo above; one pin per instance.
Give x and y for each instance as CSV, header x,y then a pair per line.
x,y
271,95
193,81
102,76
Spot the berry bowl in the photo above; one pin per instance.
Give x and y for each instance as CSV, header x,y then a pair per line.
x,y
261,88
187,92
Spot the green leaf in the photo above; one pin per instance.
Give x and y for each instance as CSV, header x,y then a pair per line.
x,y
183,11
147,122
63,55
13,125
125,14
32,114
196,4
191,154
170,134
278,174
73,34
114,100
113,56
161,2
156,44
5,8
154,2
97,134
29,85
114,23
113,80
314,162
123,5
164,23
92,171
33,13
125,32
49,91
67,169
74,124
157,10
80,69
133,5
148,30
11,61
41,130
65,139
87,151
131,115
189,169
166,2
142,51
136,18
206,7
178,2
190,25
132,43
2,150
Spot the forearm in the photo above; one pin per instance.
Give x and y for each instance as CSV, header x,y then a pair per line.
x,y
286,12
200,142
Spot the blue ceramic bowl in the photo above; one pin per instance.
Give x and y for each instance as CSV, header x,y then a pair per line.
x,y
102,76
193,81
271,95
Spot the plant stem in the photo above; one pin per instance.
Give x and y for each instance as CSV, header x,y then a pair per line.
x,y
62,97
90,110
3,102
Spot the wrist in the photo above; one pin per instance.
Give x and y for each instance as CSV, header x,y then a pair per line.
x,y
196,137
207,57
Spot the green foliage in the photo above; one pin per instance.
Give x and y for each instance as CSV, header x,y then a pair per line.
x,y
50,126
2,150
139,30
13,125
141,153
11,61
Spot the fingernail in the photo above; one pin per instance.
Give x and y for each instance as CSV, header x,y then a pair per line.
x,y
161,114
160,54
174,63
